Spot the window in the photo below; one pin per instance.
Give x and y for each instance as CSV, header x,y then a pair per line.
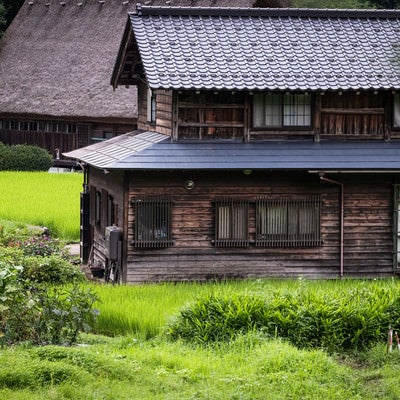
x,y
288,222
396,227
152,227
278,110
231,223
151,106
110,211
97,210
396,111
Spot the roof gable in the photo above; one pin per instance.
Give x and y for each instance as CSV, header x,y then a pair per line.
x,y
267,49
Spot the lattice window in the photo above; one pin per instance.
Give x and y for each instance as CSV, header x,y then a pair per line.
x,y
277,110
231,223
152,227
288,222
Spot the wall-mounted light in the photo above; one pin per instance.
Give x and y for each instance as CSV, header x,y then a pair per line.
x,y
247,171
189,184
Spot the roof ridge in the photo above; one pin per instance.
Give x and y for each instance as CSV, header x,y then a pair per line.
x,y
142,10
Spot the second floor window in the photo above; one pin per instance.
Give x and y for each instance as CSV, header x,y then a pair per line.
x,y
151,106
281,110
396,111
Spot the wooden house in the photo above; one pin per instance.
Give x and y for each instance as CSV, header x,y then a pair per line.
x,y
56,60
268,145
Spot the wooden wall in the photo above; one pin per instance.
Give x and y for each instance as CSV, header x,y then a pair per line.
x,y
336,115
107,184
79,134
163,122
367,231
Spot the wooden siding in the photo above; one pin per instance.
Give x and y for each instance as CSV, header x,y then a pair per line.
x,y
65,135
367,231
164,118
226,115
111,184
359,115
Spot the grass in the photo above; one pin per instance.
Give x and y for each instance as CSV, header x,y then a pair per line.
x,y
43,199
138,361
122,368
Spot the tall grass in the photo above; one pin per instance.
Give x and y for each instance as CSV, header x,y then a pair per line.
x,y
143,310
43,199
335,315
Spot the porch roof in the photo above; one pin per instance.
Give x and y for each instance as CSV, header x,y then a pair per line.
x,y
142,150
263,49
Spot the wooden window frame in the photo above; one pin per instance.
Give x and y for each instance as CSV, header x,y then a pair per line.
x,y
151,106
97,209
280,113
283,222
229,231
153,222
110,211
396,111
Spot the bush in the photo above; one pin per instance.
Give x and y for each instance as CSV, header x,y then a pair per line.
x,y
39,246
24,158
52,270
338,321
45,315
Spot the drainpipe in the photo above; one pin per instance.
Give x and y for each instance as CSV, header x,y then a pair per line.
x,y
323,178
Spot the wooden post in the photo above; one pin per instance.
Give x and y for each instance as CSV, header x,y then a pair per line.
x,y
389,346
397,340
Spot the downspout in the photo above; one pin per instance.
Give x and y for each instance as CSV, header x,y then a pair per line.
x,y
322,177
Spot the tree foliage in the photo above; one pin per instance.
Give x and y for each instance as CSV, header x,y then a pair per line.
x,y
8,10
388,4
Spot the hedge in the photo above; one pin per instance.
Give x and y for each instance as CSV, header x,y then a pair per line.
x,y
23,157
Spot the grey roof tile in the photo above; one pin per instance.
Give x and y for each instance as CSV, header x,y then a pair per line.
x,y
228,48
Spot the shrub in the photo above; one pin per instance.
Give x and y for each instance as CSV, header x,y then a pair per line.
x,y
335,321
44,315
24,158
39,246
11,234
53,269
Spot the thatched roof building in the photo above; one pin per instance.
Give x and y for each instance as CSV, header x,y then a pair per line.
x,y
56,61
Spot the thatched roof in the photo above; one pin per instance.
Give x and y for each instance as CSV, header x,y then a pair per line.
x,y
57,57
56,60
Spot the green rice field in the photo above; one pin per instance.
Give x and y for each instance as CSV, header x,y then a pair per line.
x,y
42,199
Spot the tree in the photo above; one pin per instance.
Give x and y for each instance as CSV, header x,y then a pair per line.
x,y
8,10
2,18
388,4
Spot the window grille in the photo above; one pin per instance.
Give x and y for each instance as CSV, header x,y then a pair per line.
x,y
277,110
288,222
231,223
152,227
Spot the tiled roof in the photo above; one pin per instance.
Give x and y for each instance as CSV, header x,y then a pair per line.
x,y
154,151
274,49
